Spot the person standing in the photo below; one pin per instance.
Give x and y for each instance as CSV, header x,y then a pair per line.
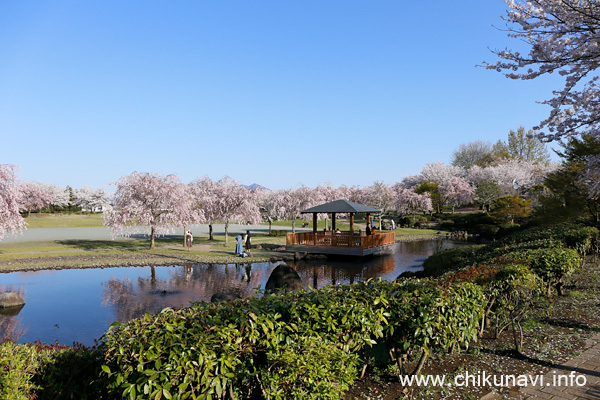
x,y
239,249
189,239
248,242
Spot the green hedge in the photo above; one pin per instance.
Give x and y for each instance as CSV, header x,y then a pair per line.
x,y
512,249
312,341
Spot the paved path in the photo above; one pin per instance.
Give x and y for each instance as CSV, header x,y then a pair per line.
x,y
103,233
577,379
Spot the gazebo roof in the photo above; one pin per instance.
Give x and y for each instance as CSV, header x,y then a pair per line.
x,y
341,206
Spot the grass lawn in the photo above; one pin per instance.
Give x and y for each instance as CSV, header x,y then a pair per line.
x,y
43,220
126,251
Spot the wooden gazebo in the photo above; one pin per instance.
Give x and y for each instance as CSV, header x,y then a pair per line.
x,y
351,242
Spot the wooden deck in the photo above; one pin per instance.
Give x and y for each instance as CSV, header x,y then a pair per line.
x,y
343,243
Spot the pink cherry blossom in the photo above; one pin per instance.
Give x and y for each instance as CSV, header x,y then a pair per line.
x,y
10,219
154,200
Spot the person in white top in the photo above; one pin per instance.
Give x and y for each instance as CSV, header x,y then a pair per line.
x,y
189,239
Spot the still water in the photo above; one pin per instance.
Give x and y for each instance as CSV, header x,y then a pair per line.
x,y
78,305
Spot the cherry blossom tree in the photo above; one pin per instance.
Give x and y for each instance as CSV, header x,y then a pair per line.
x,y
439,172
10,219
381,197
411,181
326,193
235,203
528,174
562,37
205,194
35,196
456,192
89,199
407,201
288,203
158,201
60,196
353,193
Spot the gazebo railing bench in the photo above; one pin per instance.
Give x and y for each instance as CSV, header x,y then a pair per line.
x,y
340,240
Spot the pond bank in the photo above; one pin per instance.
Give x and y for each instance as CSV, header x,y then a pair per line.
x,y
162,255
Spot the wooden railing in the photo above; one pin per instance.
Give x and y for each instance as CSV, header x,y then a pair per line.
x,y
342,240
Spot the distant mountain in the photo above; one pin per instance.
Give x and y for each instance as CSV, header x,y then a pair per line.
x,y
256,186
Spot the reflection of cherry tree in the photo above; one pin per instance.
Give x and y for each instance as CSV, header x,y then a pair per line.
x,y
10,322
10,327
154,292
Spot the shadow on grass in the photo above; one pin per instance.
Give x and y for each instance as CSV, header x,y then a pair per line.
x,y
101,244
174,257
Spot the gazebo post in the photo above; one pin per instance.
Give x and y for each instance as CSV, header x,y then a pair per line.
x,y
368,219
333,222
351,223
315,228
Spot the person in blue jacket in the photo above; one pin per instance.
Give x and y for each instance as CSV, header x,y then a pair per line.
x,y
239,247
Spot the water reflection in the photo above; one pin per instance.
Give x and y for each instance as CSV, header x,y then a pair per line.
x,y
408,256
132,298
80,304
10,323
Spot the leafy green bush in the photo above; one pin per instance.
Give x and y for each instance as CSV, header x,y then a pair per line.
x,y
574,236
308,368
553,265
487,231
38,371
18,364
69,372
450,259
425,316
447,224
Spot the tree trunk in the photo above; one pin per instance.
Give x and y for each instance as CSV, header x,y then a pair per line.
x,y
421,362
184,237
516,340
294,225
152,234
226,233
210,232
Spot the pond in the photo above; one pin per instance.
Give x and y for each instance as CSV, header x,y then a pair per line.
x,y
78,305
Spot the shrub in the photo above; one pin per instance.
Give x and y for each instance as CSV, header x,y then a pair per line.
x,y
553,265
18,364
450,259
425,316
574,236
487,231
308,368
447,224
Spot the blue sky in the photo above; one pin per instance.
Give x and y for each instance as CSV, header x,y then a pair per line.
x,y
279,93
